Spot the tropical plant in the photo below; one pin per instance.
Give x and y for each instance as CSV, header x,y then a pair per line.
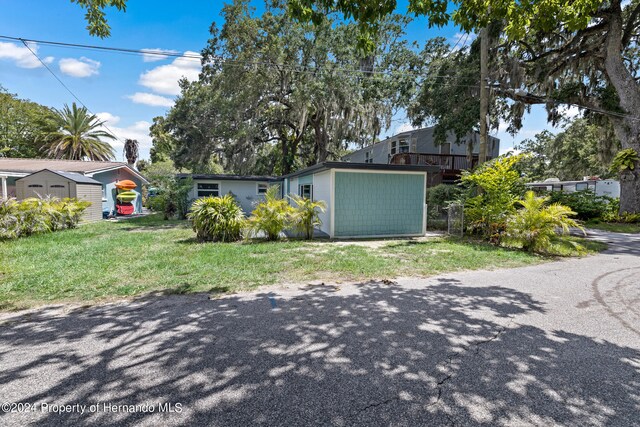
x,y
535,225
130,151
491,193
626,159
584,203
218,219
78,136
306,216
38,215
270,217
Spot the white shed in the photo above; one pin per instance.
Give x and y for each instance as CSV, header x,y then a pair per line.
x,y
62,185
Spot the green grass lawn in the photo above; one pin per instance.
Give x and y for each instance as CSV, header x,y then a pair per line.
x,y
108,260
616,227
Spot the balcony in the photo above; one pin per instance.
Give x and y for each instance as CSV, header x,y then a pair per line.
x,y
449,163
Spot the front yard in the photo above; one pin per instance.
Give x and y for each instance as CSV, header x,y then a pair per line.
x,y
106,260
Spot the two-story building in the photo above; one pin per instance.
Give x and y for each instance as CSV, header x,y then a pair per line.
x,y
418,147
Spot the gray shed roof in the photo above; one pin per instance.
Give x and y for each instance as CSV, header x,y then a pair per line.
x,y
71,176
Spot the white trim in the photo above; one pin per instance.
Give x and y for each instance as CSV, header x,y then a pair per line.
x,y
387,171
5,190
379,236
13,174
206,181
310,189
332,207
258,183
129,169
424,206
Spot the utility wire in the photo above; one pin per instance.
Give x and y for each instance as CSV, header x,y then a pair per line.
x,y
198,57
66,87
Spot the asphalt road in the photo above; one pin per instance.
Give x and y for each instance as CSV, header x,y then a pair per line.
x,y
554,344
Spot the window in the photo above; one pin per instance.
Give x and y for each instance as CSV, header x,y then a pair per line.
x,y
581,186
403,146
104,193
393,147
57,186
306,191
208,189
368,157
262,188
35,186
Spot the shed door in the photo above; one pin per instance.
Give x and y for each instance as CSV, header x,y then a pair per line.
x,y
58,189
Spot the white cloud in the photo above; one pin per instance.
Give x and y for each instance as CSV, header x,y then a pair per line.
x,y
151,99
22,57
404,127
154,55
138,131
164,79
83,67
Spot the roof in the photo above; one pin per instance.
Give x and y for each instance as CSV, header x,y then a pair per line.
x,y
27,166
78,178
364,166
223,177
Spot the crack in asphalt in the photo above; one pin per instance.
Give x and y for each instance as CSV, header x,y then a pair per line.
x,y
473,349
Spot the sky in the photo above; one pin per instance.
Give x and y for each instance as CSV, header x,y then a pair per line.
x,y
127,91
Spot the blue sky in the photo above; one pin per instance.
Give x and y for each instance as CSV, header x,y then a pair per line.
x,y
129,90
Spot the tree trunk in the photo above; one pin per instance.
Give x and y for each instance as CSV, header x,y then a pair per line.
x,y
484,95
627,129
320,141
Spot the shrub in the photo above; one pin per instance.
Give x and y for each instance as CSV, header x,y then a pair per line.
x,y
491,193
534,226
584,203
38,215
271,217
438,199
217,219
625,160
306,217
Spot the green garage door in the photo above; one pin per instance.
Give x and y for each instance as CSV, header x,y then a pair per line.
x,y
378,204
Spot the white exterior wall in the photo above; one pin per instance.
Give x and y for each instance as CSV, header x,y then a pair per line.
x,y
322,188
245,192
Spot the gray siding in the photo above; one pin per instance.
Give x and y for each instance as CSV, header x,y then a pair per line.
x,y
420,141
93,194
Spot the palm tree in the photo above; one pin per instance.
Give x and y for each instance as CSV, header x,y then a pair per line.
x,y
130,150
79,136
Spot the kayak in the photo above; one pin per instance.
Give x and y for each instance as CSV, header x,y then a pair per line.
x,y
127,196
125,185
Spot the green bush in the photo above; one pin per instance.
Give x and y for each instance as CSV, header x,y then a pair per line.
x,y
438,199
442,194
584,203
217,219
491,193
38,215
271,217
305,216
612,213
534,226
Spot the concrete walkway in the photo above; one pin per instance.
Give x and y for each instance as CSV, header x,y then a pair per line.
x,y
554,344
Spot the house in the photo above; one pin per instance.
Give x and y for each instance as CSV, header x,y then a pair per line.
x,y
247,190
606,187
363,199
418,147
55,183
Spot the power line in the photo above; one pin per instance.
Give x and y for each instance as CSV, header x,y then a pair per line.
x,y
169,53
66,87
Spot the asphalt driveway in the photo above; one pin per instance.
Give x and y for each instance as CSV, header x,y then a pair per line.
x,y
554,344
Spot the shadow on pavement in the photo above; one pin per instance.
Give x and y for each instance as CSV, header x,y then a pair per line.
x,y
376,354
